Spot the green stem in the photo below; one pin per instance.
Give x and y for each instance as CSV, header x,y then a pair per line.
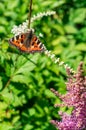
x,y
8,82
30,10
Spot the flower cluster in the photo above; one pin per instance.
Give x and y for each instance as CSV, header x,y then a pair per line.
x,y
75,97
22,28
57,60
40,15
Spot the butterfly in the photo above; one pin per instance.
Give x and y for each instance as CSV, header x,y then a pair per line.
x,y
27,42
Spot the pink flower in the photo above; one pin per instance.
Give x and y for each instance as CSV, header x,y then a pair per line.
x,y
75,97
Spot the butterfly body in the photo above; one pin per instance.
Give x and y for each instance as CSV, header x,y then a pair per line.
x,y
27,42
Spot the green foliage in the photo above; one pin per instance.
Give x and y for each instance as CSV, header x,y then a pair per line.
x,y
26,103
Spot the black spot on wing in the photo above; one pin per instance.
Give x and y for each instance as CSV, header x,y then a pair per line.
x,y
12,39
21,36
41,45
35,38
17,37
22,40
38,41
33,43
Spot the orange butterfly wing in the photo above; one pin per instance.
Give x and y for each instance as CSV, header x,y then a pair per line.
x,y
35,45
27,42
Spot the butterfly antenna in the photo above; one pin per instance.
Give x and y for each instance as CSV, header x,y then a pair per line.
x,y
30,10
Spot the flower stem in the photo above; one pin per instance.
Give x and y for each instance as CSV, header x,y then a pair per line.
x,y
30,10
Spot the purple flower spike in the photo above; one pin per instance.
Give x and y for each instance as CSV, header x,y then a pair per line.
x,y
75,97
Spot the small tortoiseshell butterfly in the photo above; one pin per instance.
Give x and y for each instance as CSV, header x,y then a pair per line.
x,y
27,42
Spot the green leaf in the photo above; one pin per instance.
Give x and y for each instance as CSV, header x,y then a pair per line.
x,y
2,8
1,83
78,15
15,119
25,66
70,29
8,69
2,30
81,47
32,111
20,78
28,126
6,126
59,28
49,94
6,95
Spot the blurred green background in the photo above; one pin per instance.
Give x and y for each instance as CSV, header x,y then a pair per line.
x,y
26,102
